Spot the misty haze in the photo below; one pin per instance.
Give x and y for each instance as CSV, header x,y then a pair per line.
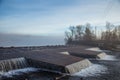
x,y
8,40
59,39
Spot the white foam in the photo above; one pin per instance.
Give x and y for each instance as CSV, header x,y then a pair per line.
x,y
93,70
94,49
19,71
109,57
66,53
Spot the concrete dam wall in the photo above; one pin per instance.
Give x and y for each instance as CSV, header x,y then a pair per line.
x,y
66,60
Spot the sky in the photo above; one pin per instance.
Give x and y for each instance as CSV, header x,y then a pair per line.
x,y
53,17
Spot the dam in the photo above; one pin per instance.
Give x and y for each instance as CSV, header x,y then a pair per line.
x,y
78,51
61,60
53,62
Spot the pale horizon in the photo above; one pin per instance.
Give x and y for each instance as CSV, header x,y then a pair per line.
x,y
53,17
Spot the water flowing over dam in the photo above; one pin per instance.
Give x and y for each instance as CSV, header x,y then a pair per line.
x,y
12,64
53,63
67,60
57,62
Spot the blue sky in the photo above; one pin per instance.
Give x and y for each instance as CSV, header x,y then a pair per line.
x,y
53,17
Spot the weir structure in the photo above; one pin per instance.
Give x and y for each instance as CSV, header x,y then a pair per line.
x,y
12,64
51,61
78,51
55,62
66,60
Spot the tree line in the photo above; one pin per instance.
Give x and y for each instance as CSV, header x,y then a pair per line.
x,y
88,33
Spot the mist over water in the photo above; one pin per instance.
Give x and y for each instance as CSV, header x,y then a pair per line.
x,y
7,40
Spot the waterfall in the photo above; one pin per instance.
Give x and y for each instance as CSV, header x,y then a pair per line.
x,y
11,64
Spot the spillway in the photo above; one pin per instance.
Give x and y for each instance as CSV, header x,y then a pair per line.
x,y
11,64
56,62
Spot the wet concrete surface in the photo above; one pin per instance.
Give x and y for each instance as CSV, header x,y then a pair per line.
x,y
112,73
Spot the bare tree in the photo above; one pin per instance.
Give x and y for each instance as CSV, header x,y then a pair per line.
x,y
70,35
83,33
88,35
118,32
79,32
72,31
114,36
107,35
